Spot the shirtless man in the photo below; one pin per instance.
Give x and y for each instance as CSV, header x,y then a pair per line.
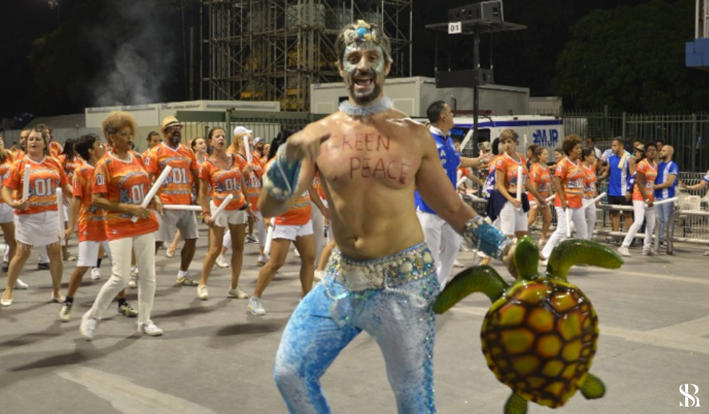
x,y
381,277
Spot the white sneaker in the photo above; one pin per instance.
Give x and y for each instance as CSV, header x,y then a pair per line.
x,y
57,299
186,280
221,261
256,306
133,282
457,264
649,252
202,292
149,328
297,253
20,285
88,327
95,273
65,313
262,260
624,251
238,293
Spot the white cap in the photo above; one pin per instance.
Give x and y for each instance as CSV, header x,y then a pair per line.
x,y
241,130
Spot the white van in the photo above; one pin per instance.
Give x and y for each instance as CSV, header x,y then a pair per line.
x,y
546,131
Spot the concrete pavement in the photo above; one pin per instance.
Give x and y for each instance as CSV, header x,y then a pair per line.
x,y
215,357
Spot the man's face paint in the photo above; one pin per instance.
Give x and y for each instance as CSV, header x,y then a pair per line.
x,y
364,66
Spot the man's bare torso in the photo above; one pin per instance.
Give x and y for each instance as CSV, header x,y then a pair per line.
x,y
369,166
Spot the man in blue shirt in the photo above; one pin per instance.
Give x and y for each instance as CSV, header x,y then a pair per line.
x,y
617,172
667,172
440,237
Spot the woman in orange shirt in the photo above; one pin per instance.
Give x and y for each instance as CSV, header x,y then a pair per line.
x,y
222,175
513,214
588,158
540,180
69,160
37,217
293,226
120,183
569,183
7,216
643,199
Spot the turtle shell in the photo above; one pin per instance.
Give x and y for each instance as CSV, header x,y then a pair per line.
x,y
539,339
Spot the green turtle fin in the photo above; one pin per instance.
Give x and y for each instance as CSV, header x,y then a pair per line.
x,y
473,279
592,387
516,404
526,257
575,251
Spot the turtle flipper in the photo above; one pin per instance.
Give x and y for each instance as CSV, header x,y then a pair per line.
x,y
526,257
473,279
576,251
592,387
516,404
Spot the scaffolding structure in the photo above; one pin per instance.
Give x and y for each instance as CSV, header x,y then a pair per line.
x,y
273,50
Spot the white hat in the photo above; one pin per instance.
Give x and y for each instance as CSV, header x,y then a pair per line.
x,y
241,130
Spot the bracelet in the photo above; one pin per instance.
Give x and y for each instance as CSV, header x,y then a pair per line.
x,y
483,236
281,178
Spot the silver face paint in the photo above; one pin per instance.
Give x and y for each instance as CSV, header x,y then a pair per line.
x,y
377,66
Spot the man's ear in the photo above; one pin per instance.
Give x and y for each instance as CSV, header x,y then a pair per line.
x,y
387,68
340,69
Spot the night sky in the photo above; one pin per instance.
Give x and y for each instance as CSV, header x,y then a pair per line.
x,y
26,20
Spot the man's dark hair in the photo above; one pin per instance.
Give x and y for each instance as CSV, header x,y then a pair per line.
x,y
651,144
592,140
83,144
151,133
434,111
620,141
280,139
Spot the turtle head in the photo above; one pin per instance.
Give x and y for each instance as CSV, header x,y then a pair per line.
x,y
526,258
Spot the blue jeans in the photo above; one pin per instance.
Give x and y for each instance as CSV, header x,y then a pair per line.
x,y
664,212
399,318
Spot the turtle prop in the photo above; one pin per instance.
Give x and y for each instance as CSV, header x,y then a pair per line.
x,y
539,336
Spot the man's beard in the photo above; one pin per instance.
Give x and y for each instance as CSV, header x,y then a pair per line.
x,y
370,97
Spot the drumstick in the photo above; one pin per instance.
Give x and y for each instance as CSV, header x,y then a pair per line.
x,y
156,186
181,207
26,184
247,149
269,237
60,207
221,207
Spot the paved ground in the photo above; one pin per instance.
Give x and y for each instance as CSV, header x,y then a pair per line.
x,y
215,357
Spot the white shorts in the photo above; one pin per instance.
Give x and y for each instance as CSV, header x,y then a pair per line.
x,y
232,217
88,253
173,220
39,229
292,232
512,220
7,213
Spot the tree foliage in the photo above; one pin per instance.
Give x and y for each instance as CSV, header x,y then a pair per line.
x,y
632,59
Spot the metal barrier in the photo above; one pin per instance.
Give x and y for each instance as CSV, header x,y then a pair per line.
x,y
263,124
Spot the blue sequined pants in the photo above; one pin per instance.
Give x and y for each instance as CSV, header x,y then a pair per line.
x,y
400,319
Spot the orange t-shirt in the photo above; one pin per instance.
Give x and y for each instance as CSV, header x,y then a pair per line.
x,y
318,186
70,166
92,220
224,182
252,179
177,188
124,182
55,149
5,167
507,165
573,179
19,155
540,175
650,172
590,187
45,178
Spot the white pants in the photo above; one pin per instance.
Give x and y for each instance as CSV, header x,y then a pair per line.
x,y
640,213
318,230
260,228
578,219
443,242
590,213
512,219
144,247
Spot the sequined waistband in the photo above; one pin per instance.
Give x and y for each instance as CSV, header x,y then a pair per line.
x,y
413,263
